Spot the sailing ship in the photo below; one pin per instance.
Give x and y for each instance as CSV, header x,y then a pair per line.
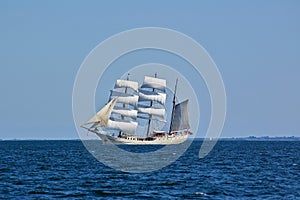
x,y
129,104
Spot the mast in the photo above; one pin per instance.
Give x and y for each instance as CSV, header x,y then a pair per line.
x,y
122,117
123,124
151,104
173,109
156,94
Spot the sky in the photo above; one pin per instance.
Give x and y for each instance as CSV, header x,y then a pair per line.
x,y
255,45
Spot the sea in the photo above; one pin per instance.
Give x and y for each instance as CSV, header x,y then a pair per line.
x,y
232,170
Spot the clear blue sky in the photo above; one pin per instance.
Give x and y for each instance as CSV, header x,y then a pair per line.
x,y
255,44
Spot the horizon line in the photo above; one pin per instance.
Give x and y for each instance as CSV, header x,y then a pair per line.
x,y
221,138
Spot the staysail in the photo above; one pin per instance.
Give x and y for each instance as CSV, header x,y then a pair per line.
x,y
102,117
181,117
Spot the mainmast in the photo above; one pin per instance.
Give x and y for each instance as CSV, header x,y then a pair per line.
x,y
173,109
123,113
152,90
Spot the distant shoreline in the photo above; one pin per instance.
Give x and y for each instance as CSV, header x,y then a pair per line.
x,y
263,138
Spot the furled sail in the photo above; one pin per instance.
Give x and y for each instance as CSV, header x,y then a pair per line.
x,y
125,83
125,112
126,127
102,117
150,82
152,96
125,98
160,112
181,117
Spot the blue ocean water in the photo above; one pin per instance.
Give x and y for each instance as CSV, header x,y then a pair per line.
x,y
233,170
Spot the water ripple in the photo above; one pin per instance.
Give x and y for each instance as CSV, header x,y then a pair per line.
x,y
234,169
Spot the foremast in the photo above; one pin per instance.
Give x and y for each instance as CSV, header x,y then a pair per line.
x,y
124,105
120,112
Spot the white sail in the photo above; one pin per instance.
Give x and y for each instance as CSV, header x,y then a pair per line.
x,y
125,98
181,117
157,83
150,117
152,96
102,117
125,83
160,112
126,127
125,112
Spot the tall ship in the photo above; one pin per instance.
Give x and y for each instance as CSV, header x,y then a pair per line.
x,y
131,106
